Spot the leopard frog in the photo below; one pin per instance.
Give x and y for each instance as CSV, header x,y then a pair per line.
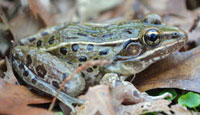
x,y
46,58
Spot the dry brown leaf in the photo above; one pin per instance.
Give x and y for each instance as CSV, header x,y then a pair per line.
x,y
84,7
39,9
14,99
165,7
154,106
98,101
9,75
26,22
101,100
180,70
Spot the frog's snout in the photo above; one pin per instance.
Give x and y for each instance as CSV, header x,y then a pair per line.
x,y
183,36
180,35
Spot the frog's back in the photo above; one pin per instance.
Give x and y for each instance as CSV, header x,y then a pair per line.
x,y
84,33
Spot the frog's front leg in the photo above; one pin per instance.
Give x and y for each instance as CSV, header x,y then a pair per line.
x,y
127,90
45,72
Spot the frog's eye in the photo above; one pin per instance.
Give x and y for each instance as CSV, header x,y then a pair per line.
x,y
152,37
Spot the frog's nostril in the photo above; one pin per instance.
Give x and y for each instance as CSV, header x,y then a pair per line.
x,y
175,35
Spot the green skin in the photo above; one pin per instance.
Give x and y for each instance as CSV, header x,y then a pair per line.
x,y
43,60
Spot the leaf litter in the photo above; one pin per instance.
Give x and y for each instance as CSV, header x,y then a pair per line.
x,y
15,99
177,71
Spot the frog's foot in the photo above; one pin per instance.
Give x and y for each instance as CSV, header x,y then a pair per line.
x,y
129,94
163,96
126,91
69,101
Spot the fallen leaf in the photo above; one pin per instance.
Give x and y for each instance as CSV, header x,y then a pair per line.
x,y
42,9
15,99
191,100
165,7
154,106
9,75
98,101
84,7
103,100
180,70
26,22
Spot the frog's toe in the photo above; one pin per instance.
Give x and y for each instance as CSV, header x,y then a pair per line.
x,y
69,101
162,96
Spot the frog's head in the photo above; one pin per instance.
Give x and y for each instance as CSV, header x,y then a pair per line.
x,y
154,42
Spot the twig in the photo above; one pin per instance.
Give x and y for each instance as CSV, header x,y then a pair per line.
x,y
79,69
194,25
3,17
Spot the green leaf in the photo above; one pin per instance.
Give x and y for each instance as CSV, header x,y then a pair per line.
x,y
172,91
59,113
151,113
191,100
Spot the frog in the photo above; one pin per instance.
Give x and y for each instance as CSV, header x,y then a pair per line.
x,y
43,60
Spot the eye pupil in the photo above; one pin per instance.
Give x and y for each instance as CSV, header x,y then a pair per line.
x,y
152,37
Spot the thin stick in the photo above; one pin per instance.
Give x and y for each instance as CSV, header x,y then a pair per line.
x,y
79,69
3,17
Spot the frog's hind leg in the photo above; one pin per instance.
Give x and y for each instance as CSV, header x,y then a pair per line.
x,y
30,78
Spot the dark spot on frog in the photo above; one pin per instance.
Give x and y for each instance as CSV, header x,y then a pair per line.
x,y
104,52
55,84
21,66
41,71
65,75
90,47
172,112
89,70
82,74
75,47
28,60
69,62
145,20
25,73
63,50
34,81
107,35
157,22
94,66
44,33
21,44
51,40
87,79
96,58
82,34
39,43
129,31
32,39
79,65
82,59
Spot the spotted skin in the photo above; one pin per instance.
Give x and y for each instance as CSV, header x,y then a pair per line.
x,y
54,53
